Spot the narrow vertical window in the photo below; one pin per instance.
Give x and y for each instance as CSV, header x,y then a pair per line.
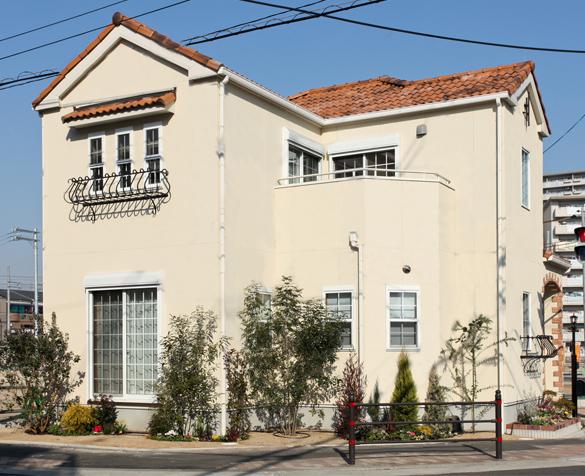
x,y
339,305
404,317
525,179
153,154
96,163
526,327
124,158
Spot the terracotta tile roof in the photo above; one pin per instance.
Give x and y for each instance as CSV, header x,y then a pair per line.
x,y
112,107
120,19
385,92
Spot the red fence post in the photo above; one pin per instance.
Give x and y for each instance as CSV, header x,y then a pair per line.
x,y
499,448
351,427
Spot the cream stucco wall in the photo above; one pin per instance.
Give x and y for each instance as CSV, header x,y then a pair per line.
x,y
445,233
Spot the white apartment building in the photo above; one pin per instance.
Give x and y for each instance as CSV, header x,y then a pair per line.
x,y
170,181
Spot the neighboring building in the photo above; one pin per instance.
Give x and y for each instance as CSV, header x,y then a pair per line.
x,y
21,309
564,200
441,178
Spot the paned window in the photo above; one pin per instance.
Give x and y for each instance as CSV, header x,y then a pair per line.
x,y
153,154
96,163
303,163
525,179
381,163
526,327
124,341
340,306
403,317
124,158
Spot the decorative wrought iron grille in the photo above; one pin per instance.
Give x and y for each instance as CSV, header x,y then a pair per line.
x,y
136,192
536,348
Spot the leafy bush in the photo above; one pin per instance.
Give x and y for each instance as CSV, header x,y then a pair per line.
x,y
238,398
374,412
39,370
78,419
404,392
436,393
353,383
106,414
291,350
186,387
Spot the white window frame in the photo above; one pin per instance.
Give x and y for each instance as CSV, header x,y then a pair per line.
x,y
96,135
125,398
119,163
527,346
344,289
363,152
404,289
304,150
526,153
153,125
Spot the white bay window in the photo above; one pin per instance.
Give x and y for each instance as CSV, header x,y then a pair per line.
x,y
124,358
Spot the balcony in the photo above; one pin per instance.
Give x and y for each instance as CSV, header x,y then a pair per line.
x,y
114,195
567,317
568,211
562,230
573,300
573,282
365,173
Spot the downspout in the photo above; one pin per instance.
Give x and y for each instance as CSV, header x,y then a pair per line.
x,y
222,307
500,256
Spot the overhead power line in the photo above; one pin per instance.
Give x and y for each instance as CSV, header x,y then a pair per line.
x,y
58,22
565,133
60,40
425,34
306,15
26,75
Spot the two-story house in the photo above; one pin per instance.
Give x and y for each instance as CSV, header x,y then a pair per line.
x,y
170,181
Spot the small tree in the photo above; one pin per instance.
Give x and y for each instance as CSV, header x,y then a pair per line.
x,y
238,395
290,350
465,353
352,386
186,386
38,369
404,392
435,393
374,412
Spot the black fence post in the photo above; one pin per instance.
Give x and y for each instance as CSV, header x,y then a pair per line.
x,y
499,449
351,428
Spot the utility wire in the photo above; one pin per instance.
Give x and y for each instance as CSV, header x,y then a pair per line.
x,y
307,15
58,22
425,34
564,134
249,22
60,40
29,81
26,75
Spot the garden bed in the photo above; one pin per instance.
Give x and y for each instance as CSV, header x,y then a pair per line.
x,y
556,430
138,441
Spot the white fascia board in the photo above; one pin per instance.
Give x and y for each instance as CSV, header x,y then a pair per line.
x,y
112,280
530,84
360,145
101,100
93,121
271,96
192,68
414,109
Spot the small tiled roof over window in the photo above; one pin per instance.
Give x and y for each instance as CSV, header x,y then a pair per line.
x,y
161,100
385,92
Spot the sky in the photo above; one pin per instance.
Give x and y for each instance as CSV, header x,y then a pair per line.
x,y
289,59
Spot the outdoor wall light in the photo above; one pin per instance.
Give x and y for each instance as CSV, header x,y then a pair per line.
x,y
421,130
406,269
354,242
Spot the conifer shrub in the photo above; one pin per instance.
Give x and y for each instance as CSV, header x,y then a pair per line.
x,y
436,393
404,392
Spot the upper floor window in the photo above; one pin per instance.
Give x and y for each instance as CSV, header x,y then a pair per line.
x,y
303,165
96,161
403,315
124,156
526,327
381,163
153,149
525,185
339,305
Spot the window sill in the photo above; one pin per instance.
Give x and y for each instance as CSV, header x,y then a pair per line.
x,y
346,349
400,349
525,207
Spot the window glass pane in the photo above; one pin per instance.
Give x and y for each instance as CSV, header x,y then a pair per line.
x,y
95,150
124,146
525,177
141,341
382,161
346,335
395,299
339,305
107,342
97,174
409,299
347,163
403,307
125,180
152,142
154,168
310,166
395,334
294,163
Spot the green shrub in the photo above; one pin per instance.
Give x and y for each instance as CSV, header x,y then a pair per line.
x,y
106,414
238,395
404,392
78,419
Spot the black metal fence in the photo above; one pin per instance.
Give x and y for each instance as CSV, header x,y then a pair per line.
x,y
354,424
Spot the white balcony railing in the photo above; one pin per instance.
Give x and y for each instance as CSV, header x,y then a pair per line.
x,y
568,337
568,211
573,300
573,282
365,173
567,317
